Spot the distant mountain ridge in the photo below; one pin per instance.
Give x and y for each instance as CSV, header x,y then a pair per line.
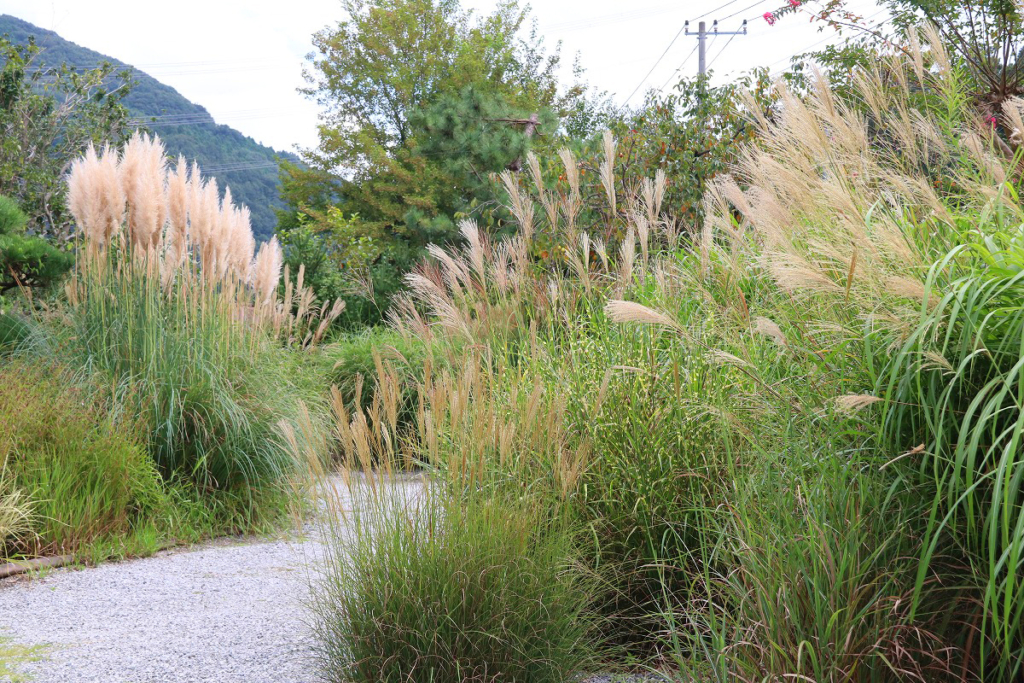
x,y
188,129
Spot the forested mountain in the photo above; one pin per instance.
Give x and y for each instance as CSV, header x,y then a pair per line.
x,y
236,160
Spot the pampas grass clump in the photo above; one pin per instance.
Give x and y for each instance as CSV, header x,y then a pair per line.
x,y
135,211
174,305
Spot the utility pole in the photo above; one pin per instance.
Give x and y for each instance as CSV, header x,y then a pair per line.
x,y
702,40
702,53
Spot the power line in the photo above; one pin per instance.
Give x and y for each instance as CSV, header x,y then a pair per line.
x,y
702,35
235,168
644,80
580,24
678,69
749,7
715,58
718,9
673,42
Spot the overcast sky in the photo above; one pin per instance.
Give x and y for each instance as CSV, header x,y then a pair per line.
x,y
242,59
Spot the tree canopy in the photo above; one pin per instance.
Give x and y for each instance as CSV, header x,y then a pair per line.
x,y
49,115
422,101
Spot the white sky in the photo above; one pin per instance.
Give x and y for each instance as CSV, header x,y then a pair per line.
x,y
242,59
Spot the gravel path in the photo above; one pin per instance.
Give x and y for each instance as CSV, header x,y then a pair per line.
x,y
227,612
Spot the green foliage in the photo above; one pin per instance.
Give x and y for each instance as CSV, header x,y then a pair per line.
x,y
12,218
809,570
424,102
711,414
353,360
983,38
13,331
469,134
344,257
26,260
47,116
954,392
693,134
87,475
646,426
452,590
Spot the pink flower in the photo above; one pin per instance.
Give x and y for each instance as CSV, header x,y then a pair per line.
x,y
992,121
770,18
794,3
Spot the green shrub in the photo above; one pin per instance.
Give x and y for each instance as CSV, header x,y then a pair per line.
x,y
353,368
453,590
12,219
87,475
26,260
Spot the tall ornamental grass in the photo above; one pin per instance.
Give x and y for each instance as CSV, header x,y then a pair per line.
x,y
856,210
15,509
173,304
954,390
433,584
793,436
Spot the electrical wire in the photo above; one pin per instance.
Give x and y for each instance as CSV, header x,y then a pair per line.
x,y
731,38
673,42
749,7
590,22
678,69
237,167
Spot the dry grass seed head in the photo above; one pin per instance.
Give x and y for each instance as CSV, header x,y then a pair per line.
x,y
619,311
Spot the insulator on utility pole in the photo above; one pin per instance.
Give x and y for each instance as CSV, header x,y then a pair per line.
x,y
702,40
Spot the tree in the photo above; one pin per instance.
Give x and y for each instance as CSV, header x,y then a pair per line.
x,y
692,133
423,101
985,39
48,116
26,260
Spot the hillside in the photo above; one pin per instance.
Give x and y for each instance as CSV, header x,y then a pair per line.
x,y
236,160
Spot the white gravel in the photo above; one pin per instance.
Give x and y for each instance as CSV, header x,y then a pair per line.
x,y
228,612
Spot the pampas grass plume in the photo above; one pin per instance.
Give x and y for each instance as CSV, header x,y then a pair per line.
x,y
266,270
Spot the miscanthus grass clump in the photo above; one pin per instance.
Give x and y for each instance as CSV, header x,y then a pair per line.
x,y
175,306
15,508
794,435
451,587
